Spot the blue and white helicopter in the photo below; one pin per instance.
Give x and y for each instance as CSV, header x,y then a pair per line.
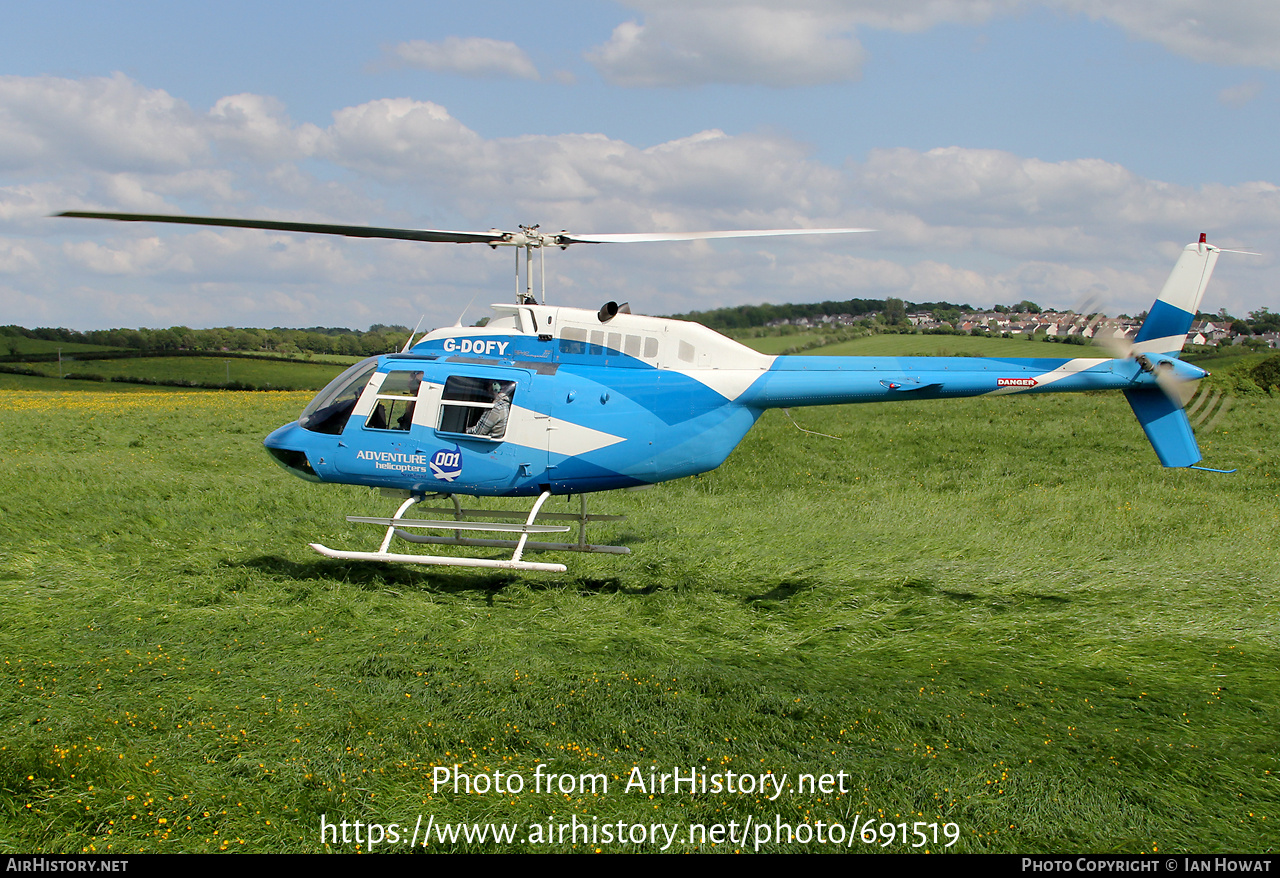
x,y
547,400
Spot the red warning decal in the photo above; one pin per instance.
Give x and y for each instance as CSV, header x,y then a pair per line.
x,y
1015,382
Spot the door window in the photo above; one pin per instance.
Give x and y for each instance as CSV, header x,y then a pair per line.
x,y
476,406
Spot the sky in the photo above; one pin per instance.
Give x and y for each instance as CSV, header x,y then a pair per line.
x,y
1061,151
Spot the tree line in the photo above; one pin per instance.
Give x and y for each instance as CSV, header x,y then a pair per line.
x,y
378,339
893,311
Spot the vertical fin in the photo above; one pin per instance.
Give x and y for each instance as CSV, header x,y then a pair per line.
x,y
1166,326
1159,411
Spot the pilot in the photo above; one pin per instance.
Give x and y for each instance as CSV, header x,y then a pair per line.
x,y
493,423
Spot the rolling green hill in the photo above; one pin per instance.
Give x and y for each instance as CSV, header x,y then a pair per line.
x,y
258,373
17,346
890,345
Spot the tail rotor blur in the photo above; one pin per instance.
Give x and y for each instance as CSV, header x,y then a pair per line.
x,y
1207,407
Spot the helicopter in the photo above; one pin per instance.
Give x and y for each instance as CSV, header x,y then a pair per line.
x,y
545,400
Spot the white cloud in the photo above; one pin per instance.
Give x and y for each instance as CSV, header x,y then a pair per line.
x,y
116,126
589,181
805,42
696,43
468,56
397,137
258,126
133,258
1018,205
1238,33
22,204
808,42
224,255
953,184
17,257
1239,95
958,224
111,123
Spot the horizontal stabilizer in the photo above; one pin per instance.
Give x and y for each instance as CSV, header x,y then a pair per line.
x,y
1166,426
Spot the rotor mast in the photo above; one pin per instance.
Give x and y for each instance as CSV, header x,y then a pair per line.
x,y
529,239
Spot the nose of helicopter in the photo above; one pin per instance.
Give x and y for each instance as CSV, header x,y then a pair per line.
x,y
288,446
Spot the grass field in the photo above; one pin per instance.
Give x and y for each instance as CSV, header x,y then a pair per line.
x,y
999,614
20,344
971,346
10,381
953,346
918,346
263,374
776,344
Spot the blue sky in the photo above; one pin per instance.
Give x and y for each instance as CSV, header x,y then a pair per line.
x,y
1004,149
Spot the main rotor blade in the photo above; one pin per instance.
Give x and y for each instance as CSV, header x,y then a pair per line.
x,y
643,237
526,237
430,235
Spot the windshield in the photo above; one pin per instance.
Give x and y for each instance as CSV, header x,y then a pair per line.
x,y
328,412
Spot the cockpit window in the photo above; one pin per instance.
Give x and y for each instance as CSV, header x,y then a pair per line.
x,y
328,412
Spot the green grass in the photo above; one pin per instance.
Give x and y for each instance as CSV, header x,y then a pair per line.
x,y
333,359
776,344
1000,613
24,345
263,374
1233,360
924,346
954,346
9,381
890,345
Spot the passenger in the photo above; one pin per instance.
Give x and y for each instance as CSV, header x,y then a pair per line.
x,y
405,421
493,423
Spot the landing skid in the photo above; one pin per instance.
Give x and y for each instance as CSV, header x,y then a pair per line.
x,y
397,524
